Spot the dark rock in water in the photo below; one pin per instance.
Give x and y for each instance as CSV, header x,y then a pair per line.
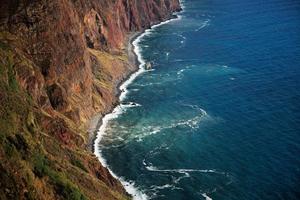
x,y
148,65
132,104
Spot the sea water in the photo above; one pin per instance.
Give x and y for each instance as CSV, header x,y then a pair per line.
x,y
218,116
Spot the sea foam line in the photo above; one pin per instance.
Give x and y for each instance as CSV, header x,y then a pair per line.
x,y
128,185
206,197
183,171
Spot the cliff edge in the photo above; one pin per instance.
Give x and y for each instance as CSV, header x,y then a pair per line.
x,y
61,62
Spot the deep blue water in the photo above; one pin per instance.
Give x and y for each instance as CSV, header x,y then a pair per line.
x,y
220,114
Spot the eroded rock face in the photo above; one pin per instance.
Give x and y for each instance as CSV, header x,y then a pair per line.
x,y
57,35
69,56
56,96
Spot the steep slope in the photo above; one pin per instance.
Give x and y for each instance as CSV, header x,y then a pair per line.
x,y
61,62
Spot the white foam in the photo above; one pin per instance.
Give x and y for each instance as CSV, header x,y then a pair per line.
x,y
135,90
192,123
161,187
147,131
128,185
150,167
181,171
183,38
203,25
180,71
182,2
130,105
186,175
206,197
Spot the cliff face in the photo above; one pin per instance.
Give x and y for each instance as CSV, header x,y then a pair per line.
x,y
61,61
60,38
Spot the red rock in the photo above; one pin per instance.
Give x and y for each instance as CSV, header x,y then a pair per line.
x,y
72,56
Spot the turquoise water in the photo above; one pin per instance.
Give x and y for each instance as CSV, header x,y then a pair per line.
x,y
219,116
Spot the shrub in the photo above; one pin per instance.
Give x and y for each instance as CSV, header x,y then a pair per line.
x,y
12,81
78,164
62,184
40,165
9,148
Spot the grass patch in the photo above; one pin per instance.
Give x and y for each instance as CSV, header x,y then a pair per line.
x,y
9,148
78,164
4,46
62,184
66,188
12,81
40,165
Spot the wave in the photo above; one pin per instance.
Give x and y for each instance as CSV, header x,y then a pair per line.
x,y
130,105
181,71
205,24
182,171
128,185
148,132
207,68
192,123
186,174
161,187
186,60
206,197
135,89
155,190
182,37
182,4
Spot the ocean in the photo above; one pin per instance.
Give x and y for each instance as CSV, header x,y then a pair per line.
x,y
218,115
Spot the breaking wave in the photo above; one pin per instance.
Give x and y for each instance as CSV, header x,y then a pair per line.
x,y
128,185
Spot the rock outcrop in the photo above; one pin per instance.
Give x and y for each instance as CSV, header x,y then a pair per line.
x,y
61,62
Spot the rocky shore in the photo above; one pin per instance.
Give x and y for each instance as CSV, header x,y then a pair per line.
x,y
96,121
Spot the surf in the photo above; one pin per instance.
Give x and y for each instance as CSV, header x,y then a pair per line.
x,y
118,110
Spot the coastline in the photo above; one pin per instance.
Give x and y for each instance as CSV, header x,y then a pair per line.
x,y
101,120
96,122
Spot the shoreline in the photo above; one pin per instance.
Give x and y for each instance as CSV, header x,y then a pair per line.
x,y
101,120
96,122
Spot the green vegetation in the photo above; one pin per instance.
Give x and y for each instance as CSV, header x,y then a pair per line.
x,y
17,127
78,164
9,148
61,183
35,163
7,66
3,45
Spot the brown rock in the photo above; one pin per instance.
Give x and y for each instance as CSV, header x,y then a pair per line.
x,y
69,56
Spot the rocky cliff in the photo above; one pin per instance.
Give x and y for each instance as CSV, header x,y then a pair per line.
x,y
61,62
